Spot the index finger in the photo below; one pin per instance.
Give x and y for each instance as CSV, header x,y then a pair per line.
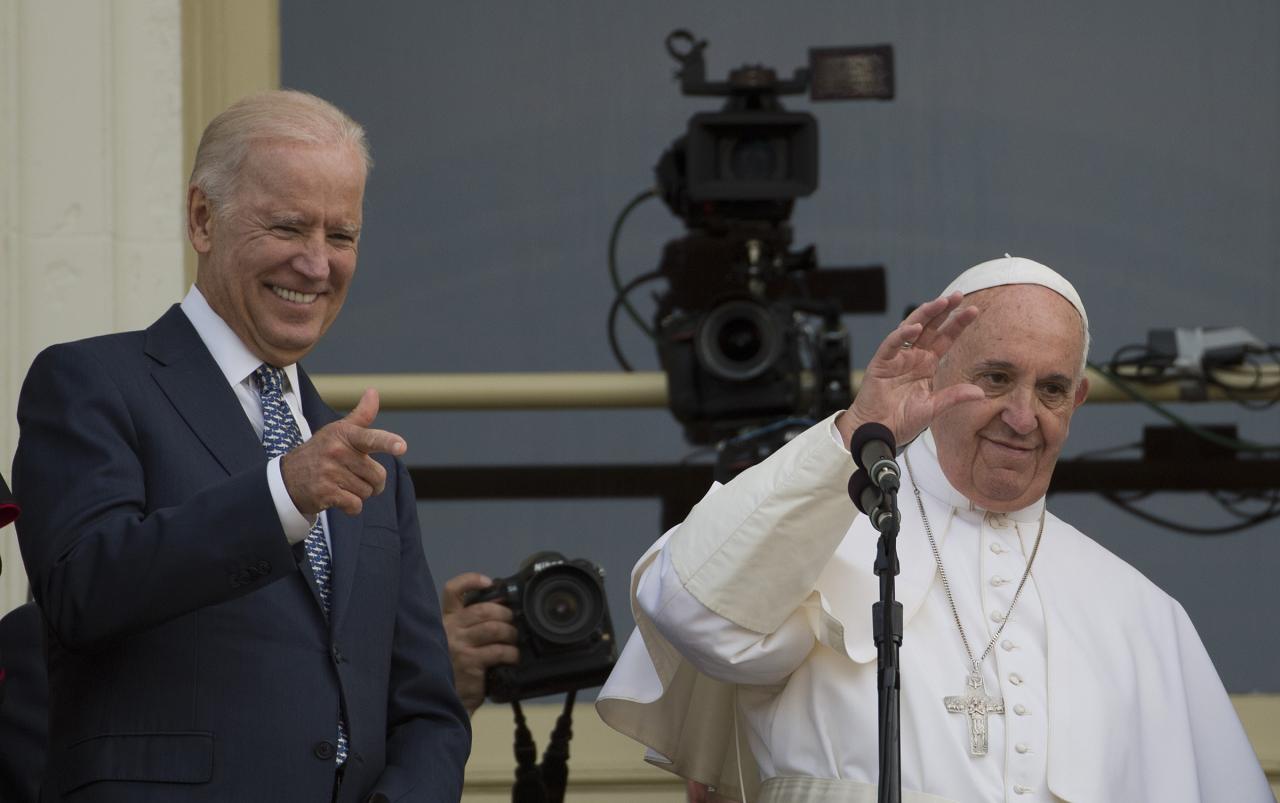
x,y
915,327
481,613
372,441
456,587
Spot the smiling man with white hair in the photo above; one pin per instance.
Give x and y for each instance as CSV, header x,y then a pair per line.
x,y
237,601
753,668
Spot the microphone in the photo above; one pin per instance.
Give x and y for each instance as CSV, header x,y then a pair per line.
x,y
869,500
873,451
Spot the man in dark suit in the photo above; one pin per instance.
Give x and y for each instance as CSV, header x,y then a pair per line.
x,y
23,705
23,690
238,603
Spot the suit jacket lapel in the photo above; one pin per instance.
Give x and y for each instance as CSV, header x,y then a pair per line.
x,y
189,377
344,531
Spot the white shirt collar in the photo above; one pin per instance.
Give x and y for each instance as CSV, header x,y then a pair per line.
x,y
926,472
233,357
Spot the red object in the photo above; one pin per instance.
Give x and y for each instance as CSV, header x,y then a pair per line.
x,y
9,509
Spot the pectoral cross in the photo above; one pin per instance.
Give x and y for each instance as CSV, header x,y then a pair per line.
x,y
977,704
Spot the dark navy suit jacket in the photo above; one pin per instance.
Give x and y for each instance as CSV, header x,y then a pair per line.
x,y
188,656
24,705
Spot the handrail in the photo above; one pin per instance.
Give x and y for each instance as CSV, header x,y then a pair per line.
x,y
640,389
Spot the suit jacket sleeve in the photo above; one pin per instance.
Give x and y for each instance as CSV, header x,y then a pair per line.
x,y
428,731
106,559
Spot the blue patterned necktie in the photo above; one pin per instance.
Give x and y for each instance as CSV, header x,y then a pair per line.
x,y
280,433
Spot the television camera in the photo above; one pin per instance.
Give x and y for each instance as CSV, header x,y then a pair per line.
x,y
749,329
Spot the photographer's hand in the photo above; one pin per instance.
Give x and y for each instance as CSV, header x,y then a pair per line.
x,y
480,636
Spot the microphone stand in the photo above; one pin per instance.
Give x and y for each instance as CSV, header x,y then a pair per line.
x,y
874,489
887,627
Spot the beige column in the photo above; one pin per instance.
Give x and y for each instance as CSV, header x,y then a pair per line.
x,y
90,217
97,125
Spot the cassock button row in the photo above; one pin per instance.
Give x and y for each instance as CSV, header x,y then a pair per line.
x,y
1015,678
1007,645
998,548
1020,710
1021,790
998,581
1021,747
996,616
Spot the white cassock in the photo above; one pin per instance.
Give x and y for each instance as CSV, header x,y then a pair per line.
x,y
754,642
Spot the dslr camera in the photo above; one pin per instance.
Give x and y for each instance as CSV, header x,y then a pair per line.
x,y
563,629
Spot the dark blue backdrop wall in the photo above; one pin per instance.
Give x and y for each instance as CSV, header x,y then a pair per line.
x,y
1133,146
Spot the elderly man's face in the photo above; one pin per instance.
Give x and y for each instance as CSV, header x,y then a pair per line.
x,y
1024,352
277,264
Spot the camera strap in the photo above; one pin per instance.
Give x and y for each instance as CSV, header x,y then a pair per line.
x,y
545,782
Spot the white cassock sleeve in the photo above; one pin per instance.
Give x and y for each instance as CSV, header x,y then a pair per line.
x,y
728,598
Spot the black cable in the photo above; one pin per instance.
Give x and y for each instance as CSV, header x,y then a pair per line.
x,y
772,426
691,456
1138,364
1148,369
1089,455
613,257
1252,359
1212,437
611,326
1126,506
1231,502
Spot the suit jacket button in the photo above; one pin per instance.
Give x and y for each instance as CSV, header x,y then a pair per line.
x,y
264,567
324,750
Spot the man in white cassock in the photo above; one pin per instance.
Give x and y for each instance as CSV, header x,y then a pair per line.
x,y
1036,666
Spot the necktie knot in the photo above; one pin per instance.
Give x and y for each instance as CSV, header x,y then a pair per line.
x,y
280,431
270,380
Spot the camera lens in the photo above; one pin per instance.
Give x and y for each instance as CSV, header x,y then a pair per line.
x,y
563,605
738,340
753,158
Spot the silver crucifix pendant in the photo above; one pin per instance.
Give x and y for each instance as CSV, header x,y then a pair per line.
x,y
977,704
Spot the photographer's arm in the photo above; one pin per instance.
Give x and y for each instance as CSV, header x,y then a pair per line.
x,y
480,636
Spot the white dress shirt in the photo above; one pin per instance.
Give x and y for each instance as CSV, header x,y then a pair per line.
x,y
237,364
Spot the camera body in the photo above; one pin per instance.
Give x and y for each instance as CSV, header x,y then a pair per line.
x,y
563,630
742,335
746,360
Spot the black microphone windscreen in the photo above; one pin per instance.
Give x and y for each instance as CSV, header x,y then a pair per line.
x,y
859,486
873,431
